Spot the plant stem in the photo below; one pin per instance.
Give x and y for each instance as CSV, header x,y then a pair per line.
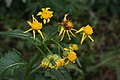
x,y
40,50
57,44
33,62
34,69
48,49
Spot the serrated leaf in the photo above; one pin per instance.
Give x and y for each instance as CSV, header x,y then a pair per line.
x,y
61,74
8,3
9,62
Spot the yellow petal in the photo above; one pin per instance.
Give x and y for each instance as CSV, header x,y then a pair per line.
x,y
51,11
34,19
62,35
39,13
74,29
81,29
48,20
52,67
34,34
41,34
66,49
43,9
83,38
65,17
44,21
91,38
61,30
29,23
47,8
28,30
67,62
68,35
72,33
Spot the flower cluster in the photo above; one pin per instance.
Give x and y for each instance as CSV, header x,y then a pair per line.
x,y
55,61
66,28
35,25
52,61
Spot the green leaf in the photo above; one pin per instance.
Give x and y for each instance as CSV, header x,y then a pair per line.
x,y
9,62
61,74
22,35
40,77
78,62
16,33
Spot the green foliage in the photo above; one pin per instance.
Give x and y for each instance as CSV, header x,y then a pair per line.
x,y
61,74
97,59
9,64
20,34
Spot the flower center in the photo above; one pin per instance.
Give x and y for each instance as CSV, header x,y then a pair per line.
x,y
72,56
47,14
36,25
68,25
88,30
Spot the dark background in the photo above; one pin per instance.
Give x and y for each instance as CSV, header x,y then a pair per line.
x,y
100,60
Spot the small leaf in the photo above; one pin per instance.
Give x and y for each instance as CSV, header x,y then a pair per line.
x,y
78,62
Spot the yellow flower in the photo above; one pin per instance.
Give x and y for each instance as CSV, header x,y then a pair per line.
x,y
67,26
59,63
72,56
46,15
35,25
69,53
46,63
87,31
73,46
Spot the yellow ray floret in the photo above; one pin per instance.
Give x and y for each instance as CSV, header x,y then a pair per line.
x,y
71,47
59,63
87,31
35,25
71,57
66,27
46,15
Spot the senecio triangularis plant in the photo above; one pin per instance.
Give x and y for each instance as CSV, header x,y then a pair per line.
x,y
52,60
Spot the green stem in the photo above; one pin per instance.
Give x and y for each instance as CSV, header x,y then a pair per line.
x,y
34,69
48,49
33,62
40,50
58,44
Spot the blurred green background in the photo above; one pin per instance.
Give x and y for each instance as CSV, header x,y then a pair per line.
x,y
100,60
